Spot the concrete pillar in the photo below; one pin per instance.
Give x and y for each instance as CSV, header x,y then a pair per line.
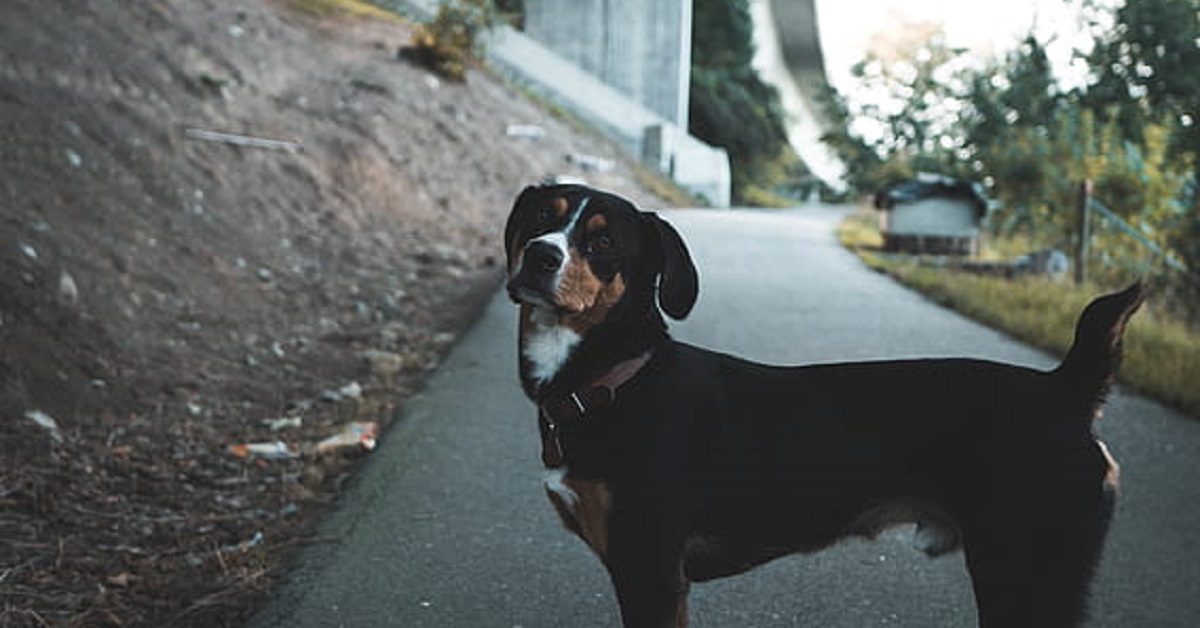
x,y
641,47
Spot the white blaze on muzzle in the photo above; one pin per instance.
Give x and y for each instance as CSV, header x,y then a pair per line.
x,y
558,240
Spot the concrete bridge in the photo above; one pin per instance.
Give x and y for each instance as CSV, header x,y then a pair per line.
x,y
789,56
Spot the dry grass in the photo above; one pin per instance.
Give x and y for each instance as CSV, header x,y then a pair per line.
x,y
672,194
357,8
1162,355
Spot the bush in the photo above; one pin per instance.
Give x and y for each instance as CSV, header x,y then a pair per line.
x,y
450,43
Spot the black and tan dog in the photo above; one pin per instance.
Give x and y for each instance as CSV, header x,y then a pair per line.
x,y
676,464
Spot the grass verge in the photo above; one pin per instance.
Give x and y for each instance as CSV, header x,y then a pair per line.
x,y
1162,355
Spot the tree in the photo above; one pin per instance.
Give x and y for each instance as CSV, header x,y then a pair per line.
x,y
912,96
729,104
1012,107
1144,76
1020,90
1144,70
910,113
927,108
861,161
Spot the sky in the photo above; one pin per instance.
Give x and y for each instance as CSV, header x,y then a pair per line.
x,y
986,28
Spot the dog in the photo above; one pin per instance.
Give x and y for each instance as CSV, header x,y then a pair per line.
x,y
676,464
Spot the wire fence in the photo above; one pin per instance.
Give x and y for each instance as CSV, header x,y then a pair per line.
x,y
1116,244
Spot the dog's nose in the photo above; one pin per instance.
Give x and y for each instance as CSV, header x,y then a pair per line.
x,y
543,257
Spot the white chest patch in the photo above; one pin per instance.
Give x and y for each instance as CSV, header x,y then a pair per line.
x,y
553,481
547,347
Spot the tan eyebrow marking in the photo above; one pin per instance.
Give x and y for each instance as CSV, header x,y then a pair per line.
x,y
560,206
597,222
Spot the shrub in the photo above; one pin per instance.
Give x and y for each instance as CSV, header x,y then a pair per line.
x,y
450,43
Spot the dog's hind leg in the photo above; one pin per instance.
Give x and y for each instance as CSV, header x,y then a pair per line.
x,y
1014,590
1032,567
1033,538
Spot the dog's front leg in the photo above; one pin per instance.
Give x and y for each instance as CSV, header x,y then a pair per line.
x,y
652,602
650,585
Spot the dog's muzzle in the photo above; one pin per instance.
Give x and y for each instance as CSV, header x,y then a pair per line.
x,y
535,280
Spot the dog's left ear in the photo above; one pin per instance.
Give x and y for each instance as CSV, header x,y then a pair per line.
x,y
678,283
511,232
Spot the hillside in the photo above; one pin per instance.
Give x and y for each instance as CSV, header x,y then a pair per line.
x,y
164,291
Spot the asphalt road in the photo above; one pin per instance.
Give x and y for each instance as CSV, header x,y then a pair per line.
x,y
447,525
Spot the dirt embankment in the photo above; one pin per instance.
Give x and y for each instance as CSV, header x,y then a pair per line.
x,y
164,291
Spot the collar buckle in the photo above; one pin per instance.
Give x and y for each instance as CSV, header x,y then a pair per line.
x,y
601,393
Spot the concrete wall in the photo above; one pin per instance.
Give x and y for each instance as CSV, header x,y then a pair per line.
x,y
697,167
694,165
640,47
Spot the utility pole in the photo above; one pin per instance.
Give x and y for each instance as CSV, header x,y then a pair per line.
x,y
1081,251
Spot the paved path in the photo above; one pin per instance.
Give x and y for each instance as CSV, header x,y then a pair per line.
x,y
447,525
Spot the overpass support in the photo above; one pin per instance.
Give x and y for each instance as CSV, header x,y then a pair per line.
x,y
788,56
643,48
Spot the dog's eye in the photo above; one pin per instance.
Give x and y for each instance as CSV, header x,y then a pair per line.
x,y
547,214
600,243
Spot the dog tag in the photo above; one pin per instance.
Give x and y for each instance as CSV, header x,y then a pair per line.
x,y
552,453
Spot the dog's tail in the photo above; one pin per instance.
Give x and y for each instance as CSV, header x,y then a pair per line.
x,y
1091,364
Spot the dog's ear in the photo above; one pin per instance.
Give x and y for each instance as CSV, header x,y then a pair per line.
x,y
678,284
511,230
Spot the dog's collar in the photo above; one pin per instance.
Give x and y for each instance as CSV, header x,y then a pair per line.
x,y
577,405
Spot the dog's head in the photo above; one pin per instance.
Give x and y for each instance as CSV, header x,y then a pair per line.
x,y
588,256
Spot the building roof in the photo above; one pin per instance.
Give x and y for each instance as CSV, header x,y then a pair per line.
x,y
931,186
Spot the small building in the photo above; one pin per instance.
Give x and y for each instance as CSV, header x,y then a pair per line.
x,y
931,214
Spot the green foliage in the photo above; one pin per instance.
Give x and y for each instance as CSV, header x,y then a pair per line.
x,y
851,149
1019,91
450,43
729,104
917,82
722,34
1185,240
734,109
1144,75
1037,172
866,170
1145,67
